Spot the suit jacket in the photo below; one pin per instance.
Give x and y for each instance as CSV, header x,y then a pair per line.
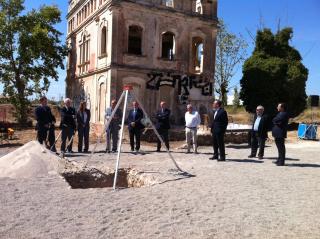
x,y
280,125
114,124
44,116
80,119
136,119
163,119
263,126
68,118
220,122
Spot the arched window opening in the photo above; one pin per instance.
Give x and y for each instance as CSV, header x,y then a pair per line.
x,y
168,3
84,55
135,40
197,6
168,46
197,54
102,102
103,41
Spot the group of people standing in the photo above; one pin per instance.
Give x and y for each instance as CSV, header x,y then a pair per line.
x,y
72,120
135,126
259,131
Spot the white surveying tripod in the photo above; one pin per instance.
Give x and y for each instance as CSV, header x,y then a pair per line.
x,y
126,90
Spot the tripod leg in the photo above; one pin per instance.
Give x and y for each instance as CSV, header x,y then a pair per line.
x,y
120,140
159,137
56,140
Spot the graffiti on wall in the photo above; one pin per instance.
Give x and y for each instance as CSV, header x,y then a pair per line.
x,y
184,83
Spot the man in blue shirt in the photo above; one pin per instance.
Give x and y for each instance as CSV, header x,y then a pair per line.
x,y
113,130
259,133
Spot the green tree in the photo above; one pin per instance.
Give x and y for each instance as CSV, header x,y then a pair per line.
x,y
274,73
30,52
230,52
236,98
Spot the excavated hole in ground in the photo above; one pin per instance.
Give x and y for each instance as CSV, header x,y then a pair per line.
x,y
94,178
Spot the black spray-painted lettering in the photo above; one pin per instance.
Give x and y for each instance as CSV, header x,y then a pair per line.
x,y
185,83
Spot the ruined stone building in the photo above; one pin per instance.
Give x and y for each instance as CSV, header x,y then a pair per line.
x,y
165,49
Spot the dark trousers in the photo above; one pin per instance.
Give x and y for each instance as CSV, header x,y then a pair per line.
x,y
135,136
281,150
44,134
83,135
164,134
218,145
66,133
112,133
257,142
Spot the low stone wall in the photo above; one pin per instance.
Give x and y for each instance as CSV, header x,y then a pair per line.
x,y
178,134
204,137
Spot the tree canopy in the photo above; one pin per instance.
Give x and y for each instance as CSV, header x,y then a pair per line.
x,y
30,52
274,73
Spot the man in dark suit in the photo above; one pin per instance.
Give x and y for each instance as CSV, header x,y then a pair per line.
x,y
163,125
259,133
135,126
67,125
279,132
218,129
83,121
45,123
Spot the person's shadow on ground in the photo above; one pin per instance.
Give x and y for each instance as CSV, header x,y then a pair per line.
x,y
303,165
244,160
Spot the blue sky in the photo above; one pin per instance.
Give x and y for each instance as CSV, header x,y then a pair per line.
x,y
244,17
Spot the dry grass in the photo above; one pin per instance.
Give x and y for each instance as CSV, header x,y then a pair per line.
x,y
308,116
238,115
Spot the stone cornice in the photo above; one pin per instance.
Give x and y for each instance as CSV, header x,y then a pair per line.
x,y
116,3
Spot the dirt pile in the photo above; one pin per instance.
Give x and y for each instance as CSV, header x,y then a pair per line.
x,y
29,161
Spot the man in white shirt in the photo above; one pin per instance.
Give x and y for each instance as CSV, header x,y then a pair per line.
x,y
193,120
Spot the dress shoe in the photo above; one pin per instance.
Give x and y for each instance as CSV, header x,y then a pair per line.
x,y
213,158
260,157
220,160
251,156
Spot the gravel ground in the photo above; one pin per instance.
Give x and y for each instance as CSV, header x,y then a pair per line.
x,y
239,198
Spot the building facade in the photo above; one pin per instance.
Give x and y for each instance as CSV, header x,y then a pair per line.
x,y
165,49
